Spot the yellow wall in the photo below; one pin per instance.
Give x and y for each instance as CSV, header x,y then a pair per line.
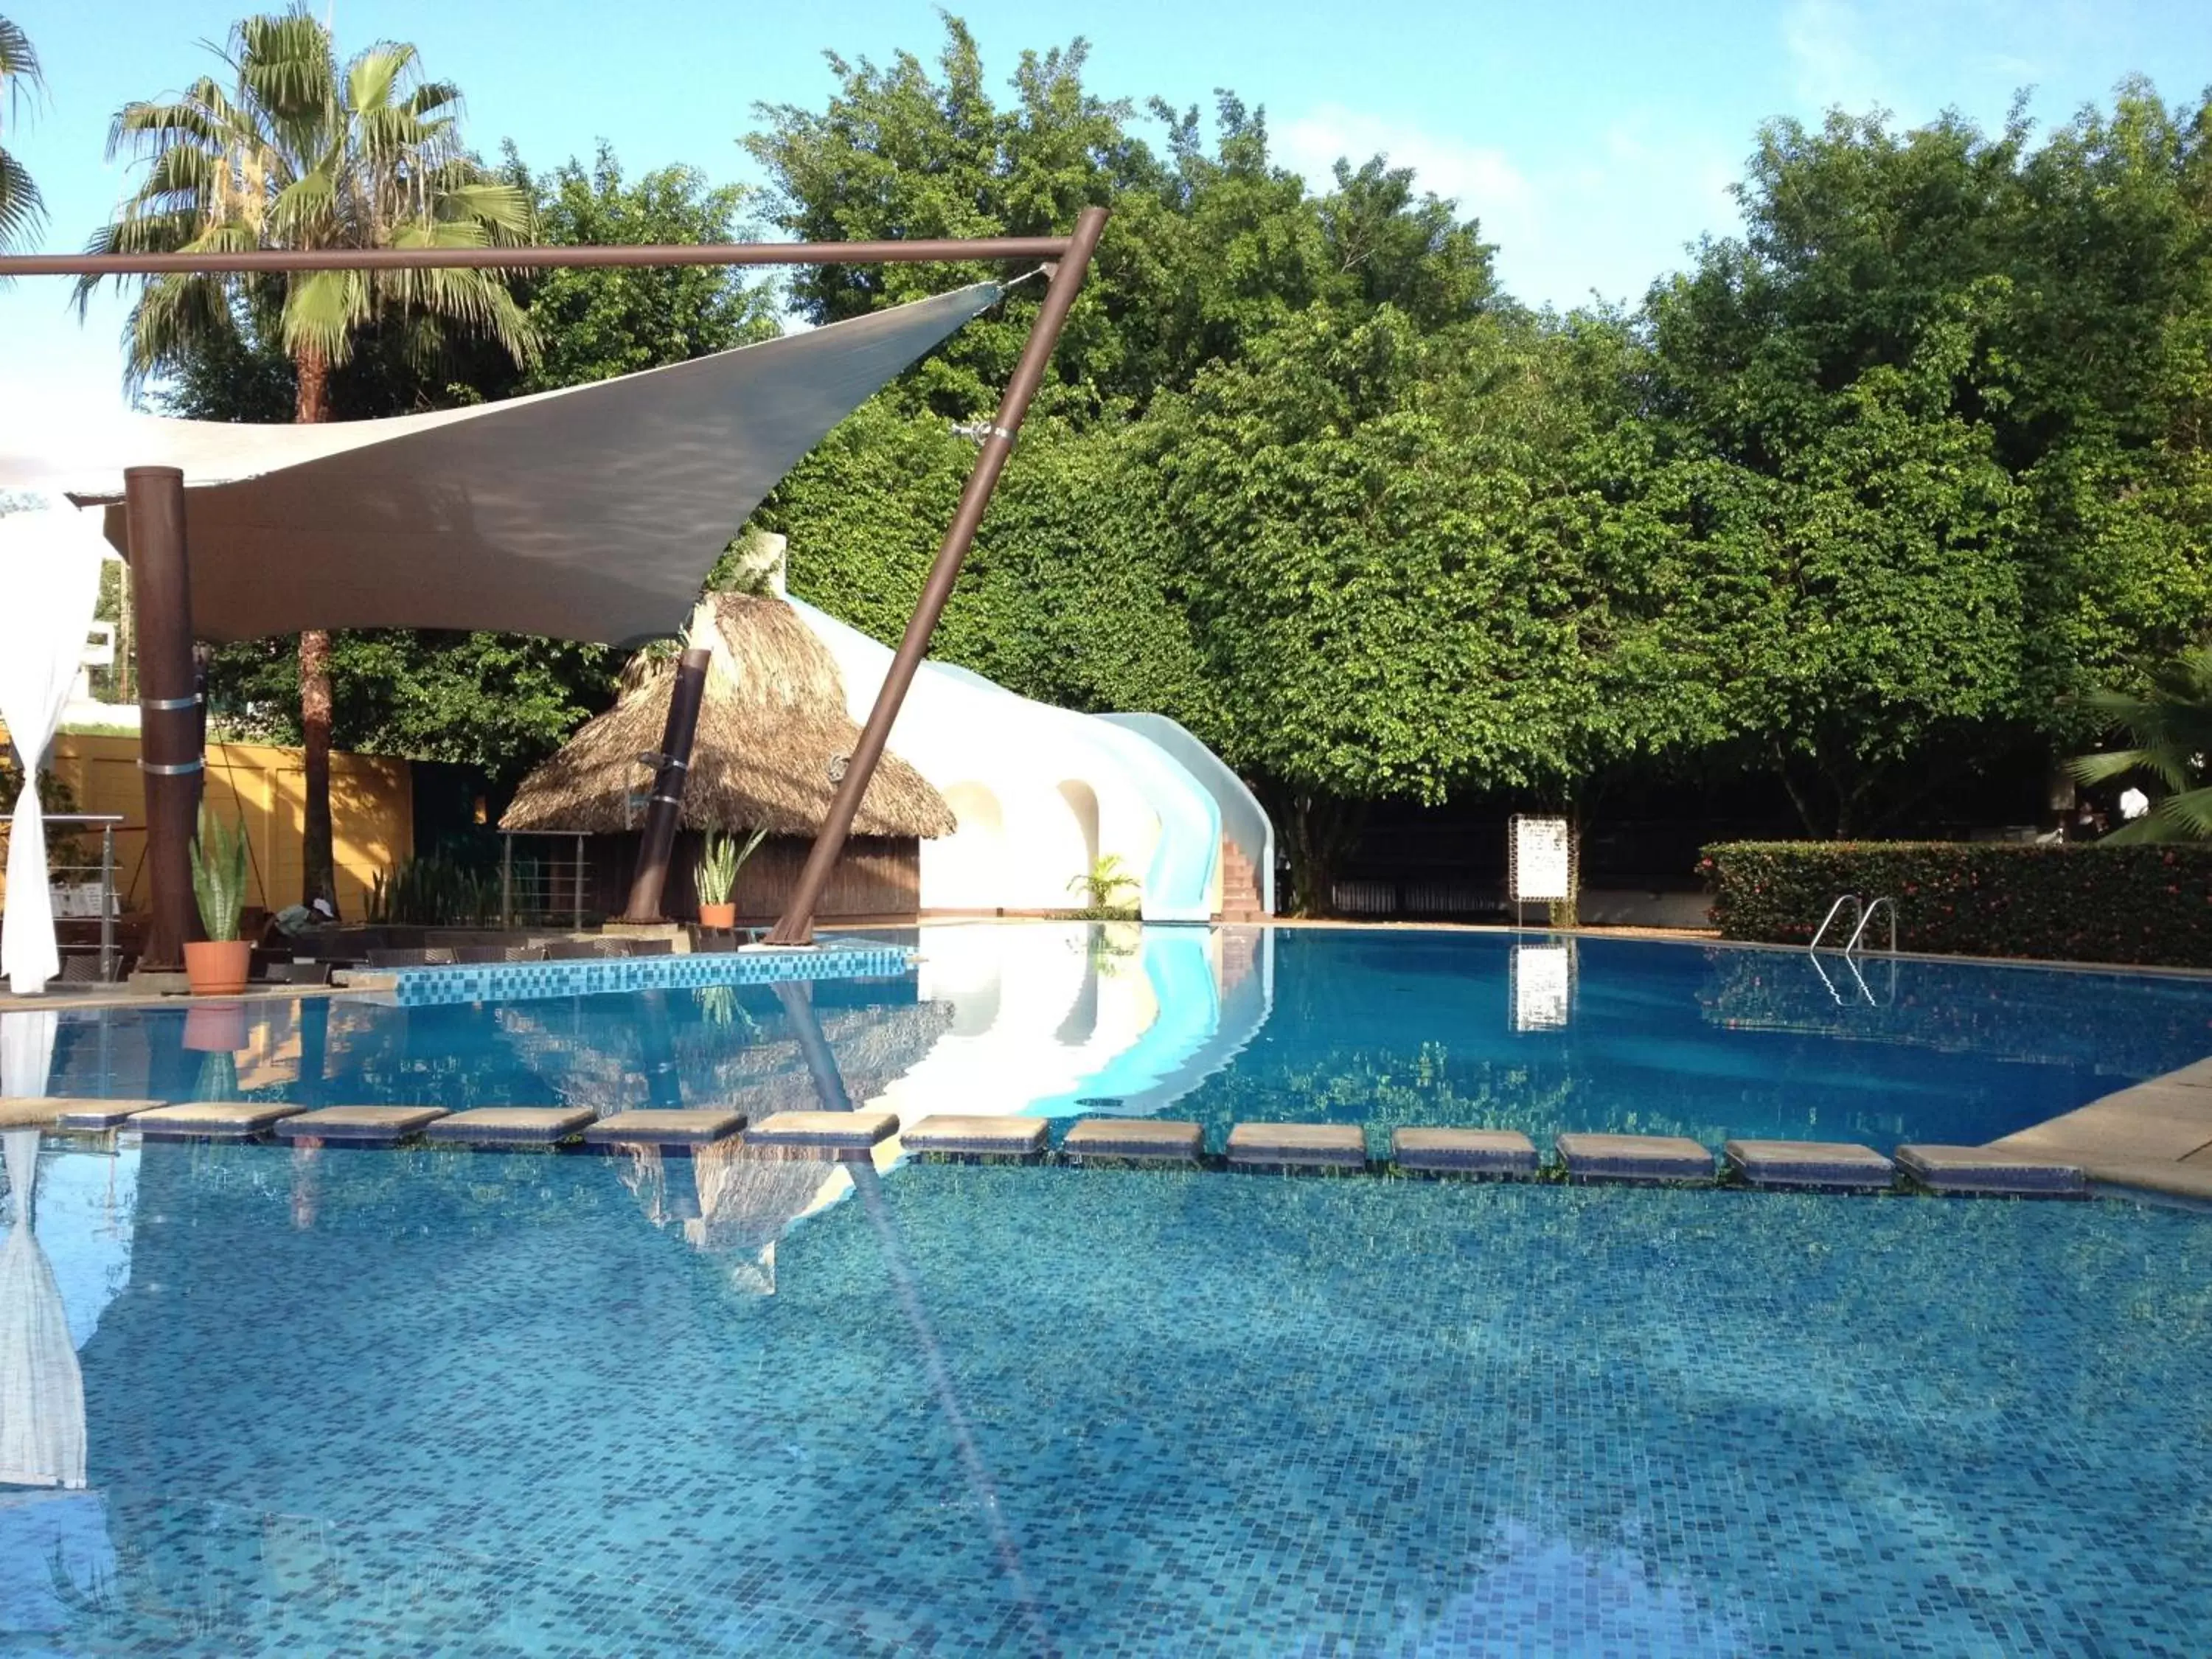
x,y
371,811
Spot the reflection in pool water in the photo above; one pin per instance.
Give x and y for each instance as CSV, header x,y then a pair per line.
x,y
1382,1027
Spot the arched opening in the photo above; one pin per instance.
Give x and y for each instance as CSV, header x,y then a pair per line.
x,y
1083,806
964,870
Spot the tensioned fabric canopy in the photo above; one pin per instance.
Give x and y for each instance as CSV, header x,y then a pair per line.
x,y
592,513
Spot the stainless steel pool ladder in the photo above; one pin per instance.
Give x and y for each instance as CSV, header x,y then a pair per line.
x,y
1862,913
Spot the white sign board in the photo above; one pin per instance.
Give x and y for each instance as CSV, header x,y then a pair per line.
x,y
1539,863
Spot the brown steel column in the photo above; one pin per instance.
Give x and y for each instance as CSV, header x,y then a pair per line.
x,y
797,924
168,706
664,809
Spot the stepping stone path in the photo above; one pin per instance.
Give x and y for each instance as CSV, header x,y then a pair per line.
x,y
1136,1138
1504,1154
1634,1158
212,1120
1819,1166
671,1128
1986,1171
71,1114
358,1126
509,1126
979,1137
816,1133
1297,1146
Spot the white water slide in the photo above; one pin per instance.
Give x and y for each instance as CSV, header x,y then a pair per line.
x,y
1041,794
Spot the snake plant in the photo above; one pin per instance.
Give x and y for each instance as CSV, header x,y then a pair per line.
x,y
219,876
720,864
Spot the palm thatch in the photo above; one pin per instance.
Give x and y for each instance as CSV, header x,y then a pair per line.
x,y
771,725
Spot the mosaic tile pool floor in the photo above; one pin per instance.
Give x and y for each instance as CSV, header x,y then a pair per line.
x,y
414,1401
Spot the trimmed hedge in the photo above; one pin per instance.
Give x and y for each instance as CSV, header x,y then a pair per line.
x,y
2078,903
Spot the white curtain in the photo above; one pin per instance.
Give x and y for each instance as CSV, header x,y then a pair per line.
x,y
42,1426
49,588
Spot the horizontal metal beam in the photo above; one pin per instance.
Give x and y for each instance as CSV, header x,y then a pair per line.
x,y
283,260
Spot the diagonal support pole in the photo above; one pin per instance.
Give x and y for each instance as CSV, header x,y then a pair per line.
x,y
797,924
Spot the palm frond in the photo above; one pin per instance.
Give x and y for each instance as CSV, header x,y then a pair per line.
x,y
22,210
19,64
2170,732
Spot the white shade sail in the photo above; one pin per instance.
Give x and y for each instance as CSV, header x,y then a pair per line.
x,y
592,513
49,588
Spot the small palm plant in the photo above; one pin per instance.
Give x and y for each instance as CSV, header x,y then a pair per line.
x,y
719,865
2171,729
219,876
1103,885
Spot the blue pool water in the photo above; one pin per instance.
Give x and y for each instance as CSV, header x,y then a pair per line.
x,y
423,1401
430,1401
1379,1028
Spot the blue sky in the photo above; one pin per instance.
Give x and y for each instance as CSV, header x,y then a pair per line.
x,y
1593,141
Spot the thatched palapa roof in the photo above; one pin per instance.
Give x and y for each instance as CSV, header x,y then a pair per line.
x,y
772,722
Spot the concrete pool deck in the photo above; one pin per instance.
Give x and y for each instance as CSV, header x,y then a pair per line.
x,y
2154,1137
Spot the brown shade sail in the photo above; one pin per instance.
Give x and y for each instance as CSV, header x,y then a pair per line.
x,y
592,513
772,726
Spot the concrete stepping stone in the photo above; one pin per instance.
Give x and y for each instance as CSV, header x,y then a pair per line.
x,y
1991,1172
509,1126
212,1120
664,1129
359,1125
1297,1146
1492,1153
978,1137
1817,1166
1634,1158
21,1111
1141,1138
813,1134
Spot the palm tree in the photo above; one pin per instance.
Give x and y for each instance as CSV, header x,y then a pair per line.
x,y
2172,732
298,154
21,210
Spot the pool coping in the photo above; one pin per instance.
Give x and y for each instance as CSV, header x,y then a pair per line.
x,y
2126,1141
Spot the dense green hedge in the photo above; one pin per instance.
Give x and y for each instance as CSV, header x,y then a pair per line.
x,y
2141,904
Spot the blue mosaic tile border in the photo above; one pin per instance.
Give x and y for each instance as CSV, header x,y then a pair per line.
x,y
515,981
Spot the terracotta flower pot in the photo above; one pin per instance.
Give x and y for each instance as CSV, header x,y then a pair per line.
x,y
720,917
217,967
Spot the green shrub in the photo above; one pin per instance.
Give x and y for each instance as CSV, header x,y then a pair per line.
x,y
2150,904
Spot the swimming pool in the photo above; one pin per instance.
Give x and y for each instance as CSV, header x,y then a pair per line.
x,y
417,1401
1382,1027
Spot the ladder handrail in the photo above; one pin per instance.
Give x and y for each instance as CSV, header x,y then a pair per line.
x,y
1842,899
1867,915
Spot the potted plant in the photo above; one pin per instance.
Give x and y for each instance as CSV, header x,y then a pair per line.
x,y
217,965
717,877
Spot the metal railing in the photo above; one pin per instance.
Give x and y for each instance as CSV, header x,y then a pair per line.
x,y
82,886
547,887
1863,915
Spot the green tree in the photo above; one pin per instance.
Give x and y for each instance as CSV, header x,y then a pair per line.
x,y
299,152
1204,251
499,702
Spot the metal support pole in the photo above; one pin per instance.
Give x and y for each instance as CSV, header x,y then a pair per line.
x,y
577,915
168,712
664,809
797,924
507,880
107,903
